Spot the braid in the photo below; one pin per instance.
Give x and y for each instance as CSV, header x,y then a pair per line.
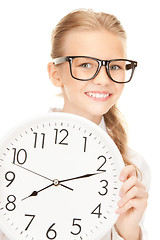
x,y
117,130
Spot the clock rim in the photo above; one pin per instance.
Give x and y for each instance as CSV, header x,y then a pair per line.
x,y
22,124
50,116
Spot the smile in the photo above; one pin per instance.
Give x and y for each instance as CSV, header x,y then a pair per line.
x,y
98,95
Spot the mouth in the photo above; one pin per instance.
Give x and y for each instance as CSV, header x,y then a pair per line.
x,y
97,95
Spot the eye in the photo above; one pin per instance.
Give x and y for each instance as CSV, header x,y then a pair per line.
x,y
86,65
114,67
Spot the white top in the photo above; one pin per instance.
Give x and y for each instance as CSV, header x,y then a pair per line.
x,y
142,165
136,159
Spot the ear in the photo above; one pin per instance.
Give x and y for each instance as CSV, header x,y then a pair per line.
x,y
54,74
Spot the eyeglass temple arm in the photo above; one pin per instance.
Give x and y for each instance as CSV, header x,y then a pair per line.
x,y
129,66
60,60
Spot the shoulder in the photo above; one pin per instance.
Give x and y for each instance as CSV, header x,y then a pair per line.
x,y
142,165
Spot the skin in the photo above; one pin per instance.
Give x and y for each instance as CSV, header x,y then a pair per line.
x,y
102,45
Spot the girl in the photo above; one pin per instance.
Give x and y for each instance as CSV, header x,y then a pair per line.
x,y
90,66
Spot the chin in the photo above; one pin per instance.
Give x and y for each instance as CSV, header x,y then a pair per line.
x,y
100,111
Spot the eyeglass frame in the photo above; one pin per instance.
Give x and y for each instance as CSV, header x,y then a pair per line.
x,y
101,63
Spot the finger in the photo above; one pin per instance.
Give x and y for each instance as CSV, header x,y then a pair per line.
x,y
134,192
128,184
127,172
139,204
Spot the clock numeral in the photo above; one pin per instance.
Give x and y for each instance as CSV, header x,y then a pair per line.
x,y
10,206
51,233
35,141
85,142
32,216
104,161
64,137
76,225
105,187
97,211
20,156
10,176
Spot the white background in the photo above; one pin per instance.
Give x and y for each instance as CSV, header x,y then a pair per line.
x,y
25,89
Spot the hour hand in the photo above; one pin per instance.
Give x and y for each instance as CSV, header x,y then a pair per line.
x,y
34,193
55,183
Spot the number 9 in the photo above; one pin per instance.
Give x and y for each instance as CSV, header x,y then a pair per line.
x,y
10,176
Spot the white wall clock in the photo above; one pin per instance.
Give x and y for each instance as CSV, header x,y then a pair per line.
x,y
59,179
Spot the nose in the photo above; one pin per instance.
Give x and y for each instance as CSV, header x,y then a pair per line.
x,y
102,77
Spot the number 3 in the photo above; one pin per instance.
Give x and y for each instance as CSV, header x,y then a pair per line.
x,y
105,187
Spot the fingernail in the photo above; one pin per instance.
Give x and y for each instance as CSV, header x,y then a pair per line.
x,y
120,193
122,178
117,210
120,202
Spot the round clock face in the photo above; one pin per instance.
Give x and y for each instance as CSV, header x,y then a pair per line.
x,y
59,179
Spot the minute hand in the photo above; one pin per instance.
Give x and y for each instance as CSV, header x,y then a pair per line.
x,y
83,176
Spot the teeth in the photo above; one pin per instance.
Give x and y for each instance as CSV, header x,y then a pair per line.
x,y
97,95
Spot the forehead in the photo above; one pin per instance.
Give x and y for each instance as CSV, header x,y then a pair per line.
x,y
100,44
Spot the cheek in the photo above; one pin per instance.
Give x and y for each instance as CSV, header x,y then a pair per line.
x,y
119,89
64,72
70,87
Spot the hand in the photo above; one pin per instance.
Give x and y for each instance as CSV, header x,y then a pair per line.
x,y
35,193
33,172
132,204
83,176
55,183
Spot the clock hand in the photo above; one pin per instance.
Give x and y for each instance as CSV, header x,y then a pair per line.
x,y
55,183
66,186
35,193
83,176
41,176
33,172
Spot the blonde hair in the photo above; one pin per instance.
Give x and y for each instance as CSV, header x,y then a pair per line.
x,y
90,20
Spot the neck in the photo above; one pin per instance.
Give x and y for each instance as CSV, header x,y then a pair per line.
x,y
96,118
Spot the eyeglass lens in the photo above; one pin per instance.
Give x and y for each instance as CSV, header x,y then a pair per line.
x,y
85,68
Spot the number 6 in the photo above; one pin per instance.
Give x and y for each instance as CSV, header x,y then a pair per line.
x,y
50,230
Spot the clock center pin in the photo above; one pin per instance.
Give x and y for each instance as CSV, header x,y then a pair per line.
x,y
56,182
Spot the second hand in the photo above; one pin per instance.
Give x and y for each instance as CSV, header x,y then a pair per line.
x,y
33,172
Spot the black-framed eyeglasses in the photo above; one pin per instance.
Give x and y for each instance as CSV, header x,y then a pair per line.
x,y
85,68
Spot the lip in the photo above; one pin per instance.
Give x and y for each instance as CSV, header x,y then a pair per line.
x,y
98,95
